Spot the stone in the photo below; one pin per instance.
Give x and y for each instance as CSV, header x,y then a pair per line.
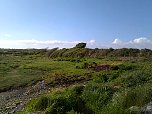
x,y
134,109
147,109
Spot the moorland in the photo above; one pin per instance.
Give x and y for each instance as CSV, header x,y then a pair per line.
x,y
77,80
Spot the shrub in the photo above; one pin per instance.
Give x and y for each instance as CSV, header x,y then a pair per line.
x,y
66,101
100,78
135,78
97,96
42,103
81,45
59,105
123,100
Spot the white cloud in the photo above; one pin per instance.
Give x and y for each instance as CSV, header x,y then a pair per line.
x,y
141,42
41,43
91,42
117,41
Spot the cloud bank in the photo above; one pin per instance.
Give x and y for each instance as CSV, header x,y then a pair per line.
x,y
141,42
41,44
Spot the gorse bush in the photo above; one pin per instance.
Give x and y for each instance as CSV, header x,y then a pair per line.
x,y
81,45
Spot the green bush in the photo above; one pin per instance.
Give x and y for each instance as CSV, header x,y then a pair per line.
x,y
81,45
59,105
100,78
63,102
123,100
138,96
42,103
97,96
135,78
114,75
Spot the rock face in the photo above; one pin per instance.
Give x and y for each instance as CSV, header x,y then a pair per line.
x,y
147,109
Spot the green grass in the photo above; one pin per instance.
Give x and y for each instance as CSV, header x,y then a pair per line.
x,y
127,83
109,92
19,71
16,71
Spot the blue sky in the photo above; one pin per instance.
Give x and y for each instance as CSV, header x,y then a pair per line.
x,y
63,23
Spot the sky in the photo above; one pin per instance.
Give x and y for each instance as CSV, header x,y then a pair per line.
x,y
64,23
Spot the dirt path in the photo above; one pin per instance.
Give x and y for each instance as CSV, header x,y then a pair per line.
x,y
11,102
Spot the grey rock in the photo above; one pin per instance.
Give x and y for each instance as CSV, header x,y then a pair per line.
x,y
147,109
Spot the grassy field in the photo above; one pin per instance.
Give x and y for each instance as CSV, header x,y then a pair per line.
x,y
112,85
20,71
